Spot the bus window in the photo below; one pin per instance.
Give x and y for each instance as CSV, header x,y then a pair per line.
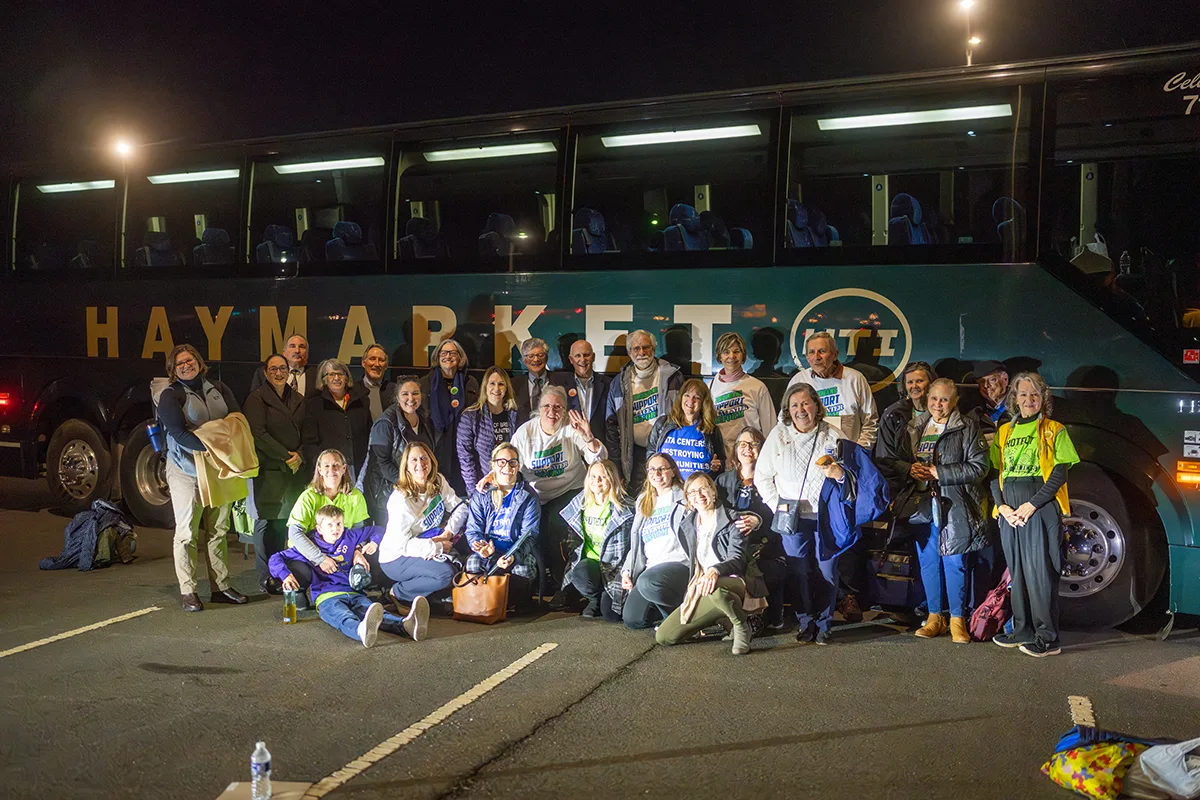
x,y
674,188
182,215
323,209
479,205
1124,186
927,178
66,224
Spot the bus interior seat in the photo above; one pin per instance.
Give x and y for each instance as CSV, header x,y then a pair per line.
x,y
214,248
156,251
686,230
347,244
1009,217
277,247
312,244
740,239
715,229
823,234
906,225
421,240
798,233
590,234
87,255
496,241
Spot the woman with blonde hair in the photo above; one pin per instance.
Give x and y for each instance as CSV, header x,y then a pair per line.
x,y
599,518
655,572
489,421
741,401
717,561
499,518
689,432
425,518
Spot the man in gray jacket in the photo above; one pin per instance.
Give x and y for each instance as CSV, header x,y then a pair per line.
x,y
643,390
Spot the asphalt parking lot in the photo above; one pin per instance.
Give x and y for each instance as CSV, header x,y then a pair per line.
x,y
168,704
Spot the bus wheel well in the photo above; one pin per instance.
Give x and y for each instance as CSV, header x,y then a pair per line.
x,y
54,416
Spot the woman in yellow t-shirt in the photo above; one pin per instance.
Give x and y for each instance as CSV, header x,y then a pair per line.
x,y
1029,457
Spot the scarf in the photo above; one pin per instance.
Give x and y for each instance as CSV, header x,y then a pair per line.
x,y
642,375
741,373
446,402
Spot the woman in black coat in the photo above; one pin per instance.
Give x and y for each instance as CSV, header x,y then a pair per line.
x,y
400,424
275,412
948,519
339,418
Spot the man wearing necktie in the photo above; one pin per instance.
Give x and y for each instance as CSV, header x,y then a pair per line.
x,y
301,377
534,355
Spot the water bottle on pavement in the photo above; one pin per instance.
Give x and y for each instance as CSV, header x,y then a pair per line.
x,y
289,606
260,773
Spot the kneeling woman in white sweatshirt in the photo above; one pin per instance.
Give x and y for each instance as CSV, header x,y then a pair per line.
x,y
656,570
425,517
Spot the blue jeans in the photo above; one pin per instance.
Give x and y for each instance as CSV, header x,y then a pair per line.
x,y
810,583
944,577
417,576
345,611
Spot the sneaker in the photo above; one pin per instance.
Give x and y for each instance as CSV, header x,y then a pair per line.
x,y
1007,640
416,624
823,638
368,629
807,636
775,626
591,610
1040,649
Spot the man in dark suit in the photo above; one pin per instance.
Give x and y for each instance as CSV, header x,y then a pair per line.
x,y
528,388
301,377
587,391
381,392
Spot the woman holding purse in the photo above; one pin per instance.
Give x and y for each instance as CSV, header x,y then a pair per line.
x,y
950,463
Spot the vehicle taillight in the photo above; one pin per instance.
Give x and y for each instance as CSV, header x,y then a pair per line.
x,y
6,399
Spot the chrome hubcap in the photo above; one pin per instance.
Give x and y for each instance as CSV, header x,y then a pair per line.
x,y
78,470
150,476
1093,550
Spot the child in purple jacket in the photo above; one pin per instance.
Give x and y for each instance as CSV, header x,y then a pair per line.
x,y
338,603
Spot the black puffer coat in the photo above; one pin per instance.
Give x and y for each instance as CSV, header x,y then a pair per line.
x,y
961,458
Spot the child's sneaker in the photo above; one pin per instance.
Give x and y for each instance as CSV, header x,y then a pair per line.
x,y
416,624
368,629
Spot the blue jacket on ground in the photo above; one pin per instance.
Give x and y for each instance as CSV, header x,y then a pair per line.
x,y
845,507
82,533
341,551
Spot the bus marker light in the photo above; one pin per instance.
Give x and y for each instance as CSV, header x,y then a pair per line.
x,y
193,177
693,135
80,186
493,151
320,166
915,117
1192,478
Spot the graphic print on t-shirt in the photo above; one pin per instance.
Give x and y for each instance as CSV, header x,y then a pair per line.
x,y
431,519
549,463
657,525
501,428
645,406
831,398
730,406
689,449
1020,454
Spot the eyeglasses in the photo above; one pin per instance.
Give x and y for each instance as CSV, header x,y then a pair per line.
x,y
511,463
284,368
187,362
695,493
553,406
332,375
749,446
535,356
658,470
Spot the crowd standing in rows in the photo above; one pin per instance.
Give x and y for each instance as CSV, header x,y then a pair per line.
x,y
643,498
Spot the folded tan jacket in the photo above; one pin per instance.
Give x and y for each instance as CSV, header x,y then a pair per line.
x,y
223,468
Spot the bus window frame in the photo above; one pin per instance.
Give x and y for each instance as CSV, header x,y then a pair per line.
x,y
12,227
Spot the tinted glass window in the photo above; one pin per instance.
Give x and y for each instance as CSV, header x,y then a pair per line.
x,y
484,204
66,224
674,188
182,215
322,208
933,177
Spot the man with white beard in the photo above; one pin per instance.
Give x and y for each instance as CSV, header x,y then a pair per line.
x,y
644,389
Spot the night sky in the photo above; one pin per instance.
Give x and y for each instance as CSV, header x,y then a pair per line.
x,y
73,78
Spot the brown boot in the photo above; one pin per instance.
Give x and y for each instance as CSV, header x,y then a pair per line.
x,y
935,626
958,630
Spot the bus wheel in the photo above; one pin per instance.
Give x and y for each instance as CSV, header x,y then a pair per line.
x,y
1114,553
144,481
78,465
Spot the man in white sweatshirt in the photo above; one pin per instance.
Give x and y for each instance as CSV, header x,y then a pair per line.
x,y
845,393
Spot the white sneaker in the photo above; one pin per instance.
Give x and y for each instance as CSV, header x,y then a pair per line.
x,y
416,624
368,629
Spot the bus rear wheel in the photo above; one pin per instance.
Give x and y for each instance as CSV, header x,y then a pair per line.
x,y
144,482
78,465
1114,553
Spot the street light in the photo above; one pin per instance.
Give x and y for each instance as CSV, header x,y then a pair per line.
x,y
972,40
124,150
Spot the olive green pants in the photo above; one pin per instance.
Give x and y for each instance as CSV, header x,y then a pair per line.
x,y
725,602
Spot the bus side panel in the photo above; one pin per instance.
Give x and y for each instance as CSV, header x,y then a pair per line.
x,y
1185,580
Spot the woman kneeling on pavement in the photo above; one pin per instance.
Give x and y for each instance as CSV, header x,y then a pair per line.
x,y
502,524
656,571
947,472
425,517
717,559
600,521
1031,454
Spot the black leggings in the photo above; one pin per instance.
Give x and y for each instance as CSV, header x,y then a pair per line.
x,y
657,592
586,578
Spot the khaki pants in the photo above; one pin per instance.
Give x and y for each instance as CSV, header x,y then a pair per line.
x,y
725,602
196,527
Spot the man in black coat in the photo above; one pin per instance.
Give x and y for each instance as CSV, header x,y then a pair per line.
x,y
528,388
301,377
381,392
587,390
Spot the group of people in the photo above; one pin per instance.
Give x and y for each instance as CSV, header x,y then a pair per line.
x,y
645,498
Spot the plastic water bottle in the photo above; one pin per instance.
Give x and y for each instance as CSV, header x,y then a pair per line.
x,y
260,772
289,606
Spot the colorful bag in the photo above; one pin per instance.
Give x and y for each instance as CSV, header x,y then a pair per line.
x,y
1095,770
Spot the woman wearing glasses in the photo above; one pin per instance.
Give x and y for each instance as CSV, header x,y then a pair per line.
x,y
338,418
502,523
656,571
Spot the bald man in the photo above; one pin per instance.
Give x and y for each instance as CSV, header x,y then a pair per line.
x,y
587,391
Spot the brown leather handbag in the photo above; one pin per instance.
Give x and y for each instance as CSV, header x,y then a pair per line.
x,y
480,598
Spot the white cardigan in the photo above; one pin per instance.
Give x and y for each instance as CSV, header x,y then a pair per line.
x,y
408,519
781,465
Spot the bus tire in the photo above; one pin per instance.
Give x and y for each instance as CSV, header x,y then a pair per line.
x,y
78,465
1114,549
143,481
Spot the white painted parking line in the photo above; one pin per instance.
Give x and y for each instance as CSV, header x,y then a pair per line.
x,y
1082,712
68,634
390,746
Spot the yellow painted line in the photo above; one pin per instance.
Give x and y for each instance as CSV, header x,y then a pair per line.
x,y
1081,711
389,746
68,634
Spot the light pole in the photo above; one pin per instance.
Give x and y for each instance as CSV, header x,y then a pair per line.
x,y
972,40
124,150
